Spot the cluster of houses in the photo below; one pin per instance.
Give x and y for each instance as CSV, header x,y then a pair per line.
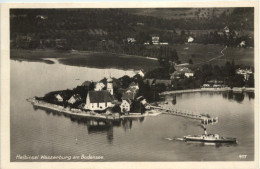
x,y
182,72
214,83
102,97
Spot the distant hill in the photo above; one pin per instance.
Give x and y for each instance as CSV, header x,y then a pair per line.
x,y
181,13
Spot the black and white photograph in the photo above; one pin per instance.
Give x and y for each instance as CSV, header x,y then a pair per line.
x,y
132,84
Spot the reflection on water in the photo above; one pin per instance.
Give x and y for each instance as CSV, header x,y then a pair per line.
x,y
96,126
238,97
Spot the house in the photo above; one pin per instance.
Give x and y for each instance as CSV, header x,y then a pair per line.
x,y
226,29
99,86
246,72
242,44
74,99
59,97
206,85
129,94
141,73
99,100
131,40
190,39
125,105
187,72
155,39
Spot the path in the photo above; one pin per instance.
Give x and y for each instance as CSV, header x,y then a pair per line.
x,y
217,57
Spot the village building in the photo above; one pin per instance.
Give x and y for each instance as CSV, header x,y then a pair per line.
x,y
59,97
226,29
190,39
125,105
129,94
131,40
246,72
99,86
155,39
99,100
214,83
74,99
182,72
141,73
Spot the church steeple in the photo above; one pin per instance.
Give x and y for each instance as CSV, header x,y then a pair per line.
x,y
110,85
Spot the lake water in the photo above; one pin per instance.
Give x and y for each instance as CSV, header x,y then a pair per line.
x,y
44,132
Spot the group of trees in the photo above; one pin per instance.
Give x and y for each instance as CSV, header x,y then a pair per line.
x,y
85,29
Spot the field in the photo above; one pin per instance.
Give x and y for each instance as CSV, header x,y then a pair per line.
x,y
200,54
211,54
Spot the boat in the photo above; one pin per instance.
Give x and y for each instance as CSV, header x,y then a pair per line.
x,y
211,138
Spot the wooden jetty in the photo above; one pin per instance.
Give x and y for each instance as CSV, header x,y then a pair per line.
x,y
205,119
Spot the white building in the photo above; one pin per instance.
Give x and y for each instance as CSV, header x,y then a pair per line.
x,y
59,97
155,39
190,39
75,98
226,29
131,40
98,100
110,85
141,73
125,105
245,72
99,86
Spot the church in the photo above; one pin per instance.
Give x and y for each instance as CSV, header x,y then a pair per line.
x,y
100,99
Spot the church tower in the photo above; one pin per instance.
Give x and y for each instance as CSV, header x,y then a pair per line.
x,y
110,85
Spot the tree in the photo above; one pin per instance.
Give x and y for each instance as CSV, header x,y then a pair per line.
x,y
190,61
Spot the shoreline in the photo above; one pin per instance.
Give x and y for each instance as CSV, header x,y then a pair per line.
x,y
235,89
90,114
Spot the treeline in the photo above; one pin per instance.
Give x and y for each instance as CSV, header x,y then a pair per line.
x,y
91,29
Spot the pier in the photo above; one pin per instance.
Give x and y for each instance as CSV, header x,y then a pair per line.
x,y
205,119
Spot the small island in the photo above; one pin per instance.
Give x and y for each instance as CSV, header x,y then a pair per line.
x,y
109,98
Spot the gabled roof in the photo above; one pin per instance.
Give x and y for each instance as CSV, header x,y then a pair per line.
x,y
100,96
128,95
77,97
184,70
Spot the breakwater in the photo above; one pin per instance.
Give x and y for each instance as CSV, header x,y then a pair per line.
x,y
235,89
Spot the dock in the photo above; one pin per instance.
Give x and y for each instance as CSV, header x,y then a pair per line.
x,y
205,119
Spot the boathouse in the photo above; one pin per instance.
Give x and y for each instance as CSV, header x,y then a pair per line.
x,y
98,100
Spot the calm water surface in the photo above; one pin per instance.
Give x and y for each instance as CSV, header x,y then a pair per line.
x,y
44,132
